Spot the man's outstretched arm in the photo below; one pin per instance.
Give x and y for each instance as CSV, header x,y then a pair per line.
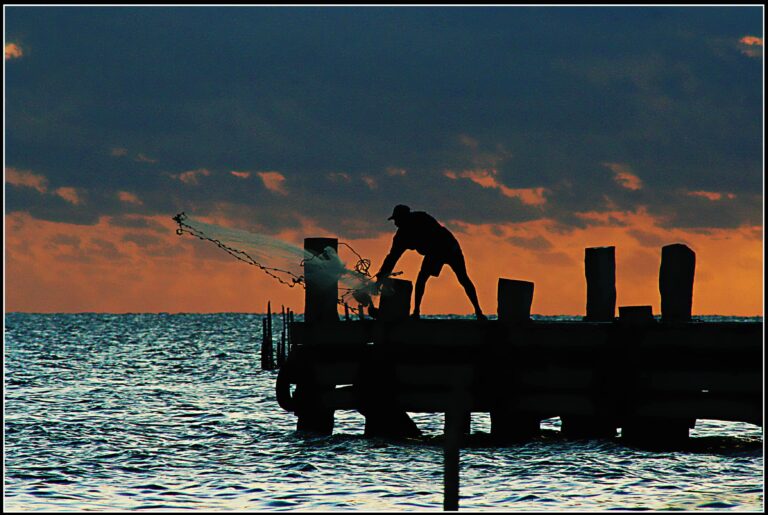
x,y
391,260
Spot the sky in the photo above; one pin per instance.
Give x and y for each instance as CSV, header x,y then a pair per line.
x,y
532,133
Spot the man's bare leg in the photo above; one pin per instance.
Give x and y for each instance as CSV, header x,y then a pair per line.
x,y
460,269
418,292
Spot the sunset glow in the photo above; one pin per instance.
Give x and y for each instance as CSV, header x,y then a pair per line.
x,y
633,127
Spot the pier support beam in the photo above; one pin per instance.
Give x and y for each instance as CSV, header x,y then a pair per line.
x,y
320,305
587,426
600,270
657,432
510,426
381,418
514,307
678,264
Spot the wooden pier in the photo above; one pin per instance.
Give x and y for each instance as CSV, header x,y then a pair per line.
x,y
650,378
596,376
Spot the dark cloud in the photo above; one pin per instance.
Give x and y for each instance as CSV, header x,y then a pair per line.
x,y
534,243
108,100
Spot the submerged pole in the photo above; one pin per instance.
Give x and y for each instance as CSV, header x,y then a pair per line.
x,y
452,440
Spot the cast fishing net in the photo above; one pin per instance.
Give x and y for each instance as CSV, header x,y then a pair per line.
x,y
284,261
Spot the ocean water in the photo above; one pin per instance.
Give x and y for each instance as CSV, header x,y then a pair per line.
x,y
172,412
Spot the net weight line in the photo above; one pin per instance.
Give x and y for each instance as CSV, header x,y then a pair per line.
x,y
362,266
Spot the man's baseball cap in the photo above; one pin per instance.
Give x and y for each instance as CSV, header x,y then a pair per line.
x,y
399,211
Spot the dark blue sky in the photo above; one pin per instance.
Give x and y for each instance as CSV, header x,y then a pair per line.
x,y
362,108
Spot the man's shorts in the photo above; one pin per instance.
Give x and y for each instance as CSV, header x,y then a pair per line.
x,y
433,264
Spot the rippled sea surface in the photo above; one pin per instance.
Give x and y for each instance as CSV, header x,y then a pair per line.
x,y
158,411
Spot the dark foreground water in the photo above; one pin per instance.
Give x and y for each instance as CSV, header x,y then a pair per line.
x,y
122,412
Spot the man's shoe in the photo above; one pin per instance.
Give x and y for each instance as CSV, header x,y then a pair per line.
x,y
481,317
415,316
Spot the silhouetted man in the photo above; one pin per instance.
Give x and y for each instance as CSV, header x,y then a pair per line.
x,y
416,230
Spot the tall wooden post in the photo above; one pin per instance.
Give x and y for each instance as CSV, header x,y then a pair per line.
x,y
678,265
452,434
395,301
514,306
322,289
600,270
514,300
320,301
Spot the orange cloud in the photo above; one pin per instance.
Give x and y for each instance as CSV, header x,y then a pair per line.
x,y
624,176
751,40
13,51
751,46
26,179
69,194
487,179
396,171
191,177
711,195
118,151
274,182
129,198
241,175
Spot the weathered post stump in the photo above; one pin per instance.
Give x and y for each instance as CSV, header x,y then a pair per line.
x,y
636,315
514,300
395,301
678,265
600,270
320,306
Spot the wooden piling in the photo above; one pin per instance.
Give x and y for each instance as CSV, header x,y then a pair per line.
x,y
360,313
289,336
452,441
346,312
320,306
282,353
514,300
321,293
678,265
395,301
266,347
600,271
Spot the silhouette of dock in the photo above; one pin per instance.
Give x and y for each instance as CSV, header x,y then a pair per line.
x,y
651,378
